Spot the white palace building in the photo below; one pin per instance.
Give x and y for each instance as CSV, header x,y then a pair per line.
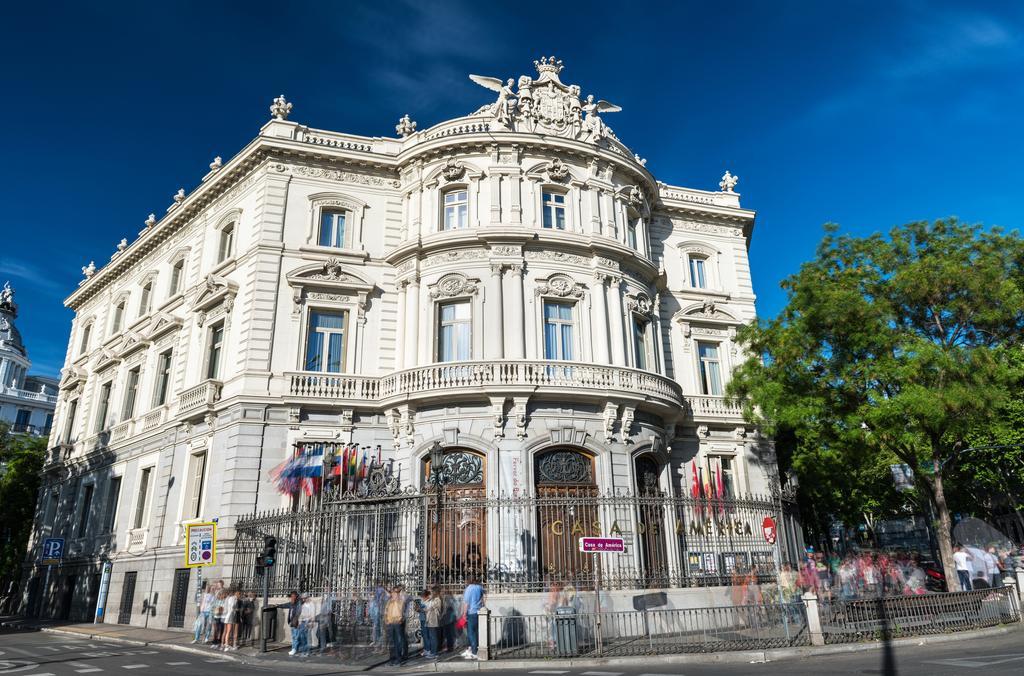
x,y
512,289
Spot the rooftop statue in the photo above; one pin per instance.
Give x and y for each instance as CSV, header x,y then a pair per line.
x,y
545,105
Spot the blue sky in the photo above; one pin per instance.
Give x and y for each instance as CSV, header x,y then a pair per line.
x,y
866,114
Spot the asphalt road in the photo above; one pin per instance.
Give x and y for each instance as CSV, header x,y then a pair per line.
x,y
47,654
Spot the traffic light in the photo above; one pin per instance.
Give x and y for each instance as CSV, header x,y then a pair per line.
x,y
269,553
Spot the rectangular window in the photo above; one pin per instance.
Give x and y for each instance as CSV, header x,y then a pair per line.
x,y
104,406
456,210
631,239
49,422
558,342
131,388
640,342
710,369
146,299
227,243
22,420
113,499
118,317
86,333
69,421
176,270
195,486
554,210
53,511
332,228
83,518
140,507
455,331
325,341
163,378
720,473
214,350
698,278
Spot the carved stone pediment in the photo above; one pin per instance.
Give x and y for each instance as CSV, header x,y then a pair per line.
x,y
72,377
562,286
133,340
215,290
707,309
640,303
330,281
162,323
453,285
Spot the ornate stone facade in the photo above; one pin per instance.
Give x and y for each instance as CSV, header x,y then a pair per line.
x,y
510,283
26,402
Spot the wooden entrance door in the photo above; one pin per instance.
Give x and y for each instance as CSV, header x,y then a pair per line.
x,y
567,510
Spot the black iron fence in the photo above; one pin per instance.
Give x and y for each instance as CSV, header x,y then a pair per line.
x,y
567,633
898,616
515,544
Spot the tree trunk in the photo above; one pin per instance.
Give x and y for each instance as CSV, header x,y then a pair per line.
x,y
944,532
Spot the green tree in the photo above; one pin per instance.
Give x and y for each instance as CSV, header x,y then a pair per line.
x,y
21,461
892,346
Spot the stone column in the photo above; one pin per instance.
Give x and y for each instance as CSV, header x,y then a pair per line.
x,y
412,321
813,618
494,332
599,318
615,320
484,651
659,346
515,318
400,328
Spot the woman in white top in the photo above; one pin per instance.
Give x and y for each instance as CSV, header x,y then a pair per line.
x,y
231,612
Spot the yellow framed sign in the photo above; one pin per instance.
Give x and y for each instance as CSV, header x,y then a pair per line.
x,y
200,544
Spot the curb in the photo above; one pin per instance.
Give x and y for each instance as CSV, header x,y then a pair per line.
x,y
737,657
239,659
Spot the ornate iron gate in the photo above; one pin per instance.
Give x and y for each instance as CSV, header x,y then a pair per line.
x,y
124,616
179,597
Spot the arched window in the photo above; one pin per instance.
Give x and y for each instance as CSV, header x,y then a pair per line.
x,y
227,243
651,522
457,547
146,298
567,509
176,272
117,322
83,346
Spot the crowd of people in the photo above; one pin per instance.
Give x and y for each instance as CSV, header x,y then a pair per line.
x,y
226,617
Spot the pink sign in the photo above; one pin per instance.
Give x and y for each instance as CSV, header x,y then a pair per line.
x,y
592,545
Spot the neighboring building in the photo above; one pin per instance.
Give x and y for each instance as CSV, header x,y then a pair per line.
x,y
26,402
514,284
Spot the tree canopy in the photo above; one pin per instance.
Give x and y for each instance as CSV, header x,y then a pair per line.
x,y
890,349
21,460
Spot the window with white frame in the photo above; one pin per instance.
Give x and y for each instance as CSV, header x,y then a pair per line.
x,y
176,271
631,233
641,342
146,298
326,340
163,378
227,243
698,271
558,330
83,518
456,210
332,228
104,406
710,369
214,350
721,474
142,504
69,419
194,490
118,320
554,210
454,331
83,346
113,500
131,389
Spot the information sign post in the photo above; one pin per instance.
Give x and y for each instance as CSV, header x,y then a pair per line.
x,y
53,552
596,547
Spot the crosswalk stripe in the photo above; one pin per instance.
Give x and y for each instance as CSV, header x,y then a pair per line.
x,y
551,671
87,670
135,666
602,673
176,664
40,674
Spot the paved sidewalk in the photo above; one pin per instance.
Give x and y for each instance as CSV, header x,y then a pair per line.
x,y
360,658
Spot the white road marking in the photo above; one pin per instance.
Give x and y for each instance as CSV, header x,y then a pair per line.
x,y
79,664
176,664
542,671
50,648
21,651
88,670
980,661
135,666
602,673
40,674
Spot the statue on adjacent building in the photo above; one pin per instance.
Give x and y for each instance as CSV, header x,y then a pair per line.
x,y
728,182
592,122
405,126
280,109
502,108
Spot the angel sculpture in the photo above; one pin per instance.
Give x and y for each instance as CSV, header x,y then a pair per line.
x,y
592,122
502,109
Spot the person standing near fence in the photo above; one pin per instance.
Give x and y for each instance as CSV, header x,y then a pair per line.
x,y
231,615
473,601
962,561
325,622
449,613
378,599
204,622
394,623
433,616
247,616
294,611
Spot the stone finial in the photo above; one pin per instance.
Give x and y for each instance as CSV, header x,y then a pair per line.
x,y
405,126
728,182
216,164
151,220
89,270
179,196
280,108
122,245
642,161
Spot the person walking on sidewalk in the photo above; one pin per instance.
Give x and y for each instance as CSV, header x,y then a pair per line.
x,y
325,621
434,610
961,559
294,610
231,617
473,601
449,613
205,621
307,623
394,624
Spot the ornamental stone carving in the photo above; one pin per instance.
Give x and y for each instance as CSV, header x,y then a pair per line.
x,y
564,467
89,270
151,220
216,164
280,109
405,126
460,468
179,196
640,303
452,285
611,414
728,182
453,170
561,286
454,256
506,250
557,256
636,196
557,171
333,271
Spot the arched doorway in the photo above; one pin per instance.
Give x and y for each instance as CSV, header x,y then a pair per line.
x,y
651,522
567,509
457,518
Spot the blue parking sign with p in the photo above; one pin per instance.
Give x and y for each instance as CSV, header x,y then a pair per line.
x,y
53,550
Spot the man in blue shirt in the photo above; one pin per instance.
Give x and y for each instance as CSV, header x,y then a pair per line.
x,y
472,601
